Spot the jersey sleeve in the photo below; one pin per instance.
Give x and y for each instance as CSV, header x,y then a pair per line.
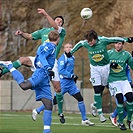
x,y
37,34
109,40
62,33
77,46
62,67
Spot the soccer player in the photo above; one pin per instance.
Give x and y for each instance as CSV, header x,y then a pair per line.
x,y
42,34
68,79
39,81
118,83
113,116
99,63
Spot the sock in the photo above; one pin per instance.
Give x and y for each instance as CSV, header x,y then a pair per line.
x,y
47,119
82,109
98,103
41,108
16,64
18,77
129,107
115,113
59,98
120,110
125,115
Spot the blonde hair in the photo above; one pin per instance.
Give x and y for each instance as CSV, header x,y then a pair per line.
x,y
53,35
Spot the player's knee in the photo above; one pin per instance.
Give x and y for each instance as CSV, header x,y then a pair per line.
x,y
25,85
98,89
56,85
78,97
25,61
129,96
120,98
22,60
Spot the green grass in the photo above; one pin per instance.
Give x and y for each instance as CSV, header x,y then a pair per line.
x,y
21,122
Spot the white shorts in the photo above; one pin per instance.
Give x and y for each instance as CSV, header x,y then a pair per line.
x,y
33,68
122,86
99,75
56,73
55,68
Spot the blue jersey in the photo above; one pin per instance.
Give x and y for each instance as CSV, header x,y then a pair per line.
x,y
128,74
45,58
66,66
66,71
45,55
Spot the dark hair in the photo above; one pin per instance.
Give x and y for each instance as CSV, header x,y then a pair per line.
x,y
90,35
61,18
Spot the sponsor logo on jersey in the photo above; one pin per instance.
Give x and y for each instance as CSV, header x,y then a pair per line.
x,y
97,57
118,69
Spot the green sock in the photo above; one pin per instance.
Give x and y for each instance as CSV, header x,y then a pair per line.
x,y
129,107
98,103
120,112
16,64
59,98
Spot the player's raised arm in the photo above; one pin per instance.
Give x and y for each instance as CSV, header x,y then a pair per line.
x,y
51,21
23,34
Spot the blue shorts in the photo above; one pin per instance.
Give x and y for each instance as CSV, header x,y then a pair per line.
x,y
68,85
41,84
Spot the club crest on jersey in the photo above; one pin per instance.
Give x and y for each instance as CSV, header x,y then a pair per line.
x,y
97,57
118,69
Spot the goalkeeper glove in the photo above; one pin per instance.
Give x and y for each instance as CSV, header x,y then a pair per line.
x,y
68,54
75,77
114,65
130,40
51,73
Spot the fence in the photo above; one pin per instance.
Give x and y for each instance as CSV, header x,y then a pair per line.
x,y
12,97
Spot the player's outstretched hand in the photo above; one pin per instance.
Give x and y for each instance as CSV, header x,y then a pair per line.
x,y
130,39
68,54
41,11
18,32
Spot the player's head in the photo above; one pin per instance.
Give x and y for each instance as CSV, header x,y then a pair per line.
x,y
67,47
119,46
59,20
91,36
54,36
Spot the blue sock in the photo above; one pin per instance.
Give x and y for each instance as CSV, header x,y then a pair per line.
x,y
18,77
47,119
115,113
41,108
82,109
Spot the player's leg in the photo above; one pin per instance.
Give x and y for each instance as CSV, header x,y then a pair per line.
x,y
120,109
18,77
47,115
16,64
129,107
82,109
98,102
59,97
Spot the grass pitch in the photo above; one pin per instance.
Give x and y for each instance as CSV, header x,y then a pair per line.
x,y
21,122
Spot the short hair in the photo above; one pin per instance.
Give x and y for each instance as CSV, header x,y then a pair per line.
x,y
90,35
53,35
61,18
